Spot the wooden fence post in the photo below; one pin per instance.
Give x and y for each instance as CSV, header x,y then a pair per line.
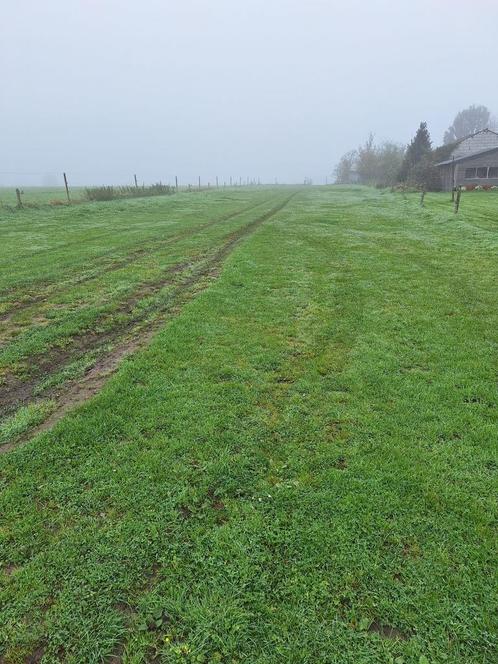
x,y
176,183
67,188
19,201
457,200
136,181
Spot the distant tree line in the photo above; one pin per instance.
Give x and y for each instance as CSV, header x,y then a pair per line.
x,y
390,164
371,164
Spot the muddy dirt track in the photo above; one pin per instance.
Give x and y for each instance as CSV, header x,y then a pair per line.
x,y
163,298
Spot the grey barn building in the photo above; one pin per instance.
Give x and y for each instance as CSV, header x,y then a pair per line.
x,y
473,162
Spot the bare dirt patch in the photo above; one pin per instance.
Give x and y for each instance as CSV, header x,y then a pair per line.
x,y
386,631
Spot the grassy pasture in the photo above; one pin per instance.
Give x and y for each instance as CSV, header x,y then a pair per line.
x,y
38,195
300,464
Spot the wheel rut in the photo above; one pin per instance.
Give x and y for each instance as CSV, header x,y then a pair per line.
x,y
49,289
125,340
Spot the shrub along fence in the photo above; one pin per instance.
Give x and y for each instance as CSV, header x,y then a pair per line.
x,y
111,193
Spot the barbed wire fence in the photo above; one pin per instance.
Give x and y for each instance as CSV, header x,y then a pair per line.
x,y
22,187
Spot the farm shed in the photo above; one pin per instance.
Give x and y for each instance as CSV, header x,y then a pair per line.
x,y
473,162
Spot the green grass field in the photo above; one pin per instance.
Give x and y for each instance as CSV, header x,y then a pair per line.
x,y
38,195
250,426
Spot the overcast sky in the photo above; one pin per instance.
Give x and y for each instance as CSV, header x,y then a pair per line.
x,y
263,88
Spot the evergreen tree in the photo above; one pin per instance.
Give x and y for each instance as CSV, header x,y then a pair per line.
x,y
419,149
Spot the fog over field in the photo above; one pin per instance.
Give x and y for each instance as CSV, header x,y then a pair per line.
x,y
104,89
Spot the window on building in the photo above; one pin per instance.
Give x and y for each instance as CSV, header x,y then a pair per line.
x,y
493,172
482,172
470,173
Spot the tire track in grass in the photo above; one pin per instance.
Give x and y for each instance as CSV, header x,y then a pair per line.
x,y
65,245
24,304
305,344
16,389
133,336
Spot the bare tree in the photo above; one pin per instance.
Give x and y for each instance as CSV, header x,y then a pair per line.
x,y
371,164
389,160
345,168
367,161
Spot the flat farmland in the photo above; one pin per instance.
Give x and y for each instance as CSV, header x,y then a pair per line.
x,y
249,425
37,196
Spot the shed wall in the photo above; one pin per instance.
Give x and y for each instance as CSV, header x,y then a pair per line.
x,y
477,162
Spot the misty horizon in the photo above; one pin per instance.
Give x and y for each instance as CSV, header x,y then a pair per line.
x,y
269,90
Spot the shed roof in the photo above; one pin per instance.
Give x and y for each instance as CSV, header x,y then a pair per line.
x,y
472,155
476,133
